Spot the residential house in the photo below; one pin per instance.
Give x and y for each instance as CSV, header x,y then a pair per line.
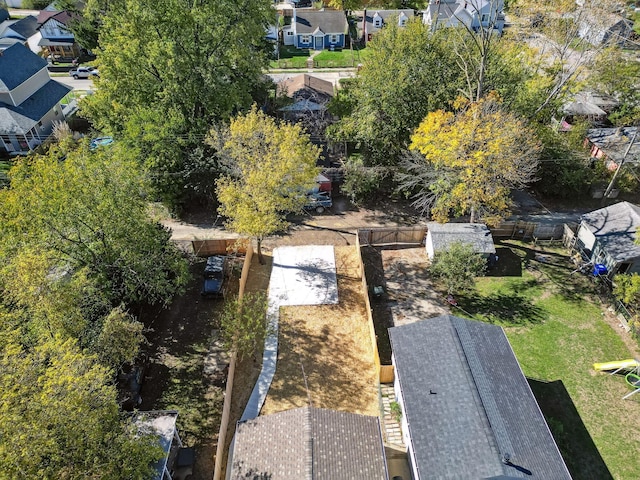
x,y
608,236
467,408
29,100
374,20
474,14
56,36
317,29
601,27
4,14
310,443
440,236
612,145
591,106
24,30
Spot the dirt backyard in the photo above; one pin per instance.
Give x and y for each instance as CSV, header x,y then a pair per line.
x,y
325,357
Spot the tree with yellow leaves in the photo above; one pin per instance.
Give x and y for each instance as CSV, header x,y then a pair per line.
x,y
270,168
470,160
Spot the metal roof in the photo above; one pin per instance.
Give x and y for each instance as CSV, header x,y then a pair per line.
x,y
467,403
615,229
309,443
476,234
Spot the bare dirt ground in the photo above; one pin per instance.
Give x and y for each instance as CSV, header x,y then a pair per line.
x,y
408,295
325,357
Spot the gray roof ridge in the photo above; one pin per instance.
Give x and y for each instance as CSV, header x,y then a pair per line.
x,y
635,210
307,428
496,422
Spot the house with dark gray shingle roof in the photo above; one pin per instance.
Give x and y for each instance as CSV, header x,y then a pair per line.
x,y
440,236
467,409
308,444
608,236
24,30
29,100
472,14
317,29
375,20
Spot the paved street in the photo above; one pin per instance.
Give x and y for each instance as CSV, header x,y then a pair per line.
x,y
80,84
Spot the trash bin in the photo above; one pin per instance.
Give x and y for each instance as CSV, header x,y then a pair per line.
x,y
599,269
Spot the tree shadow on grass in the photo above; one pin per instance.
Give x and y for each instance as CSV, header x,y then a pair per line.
x,y
503,308
576,445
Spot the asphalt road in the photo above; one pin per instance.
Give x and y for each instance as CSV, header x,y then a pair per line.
x,y
80,84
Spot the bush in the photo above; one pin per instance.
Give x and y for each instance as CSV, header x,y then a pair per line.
x,y
457,267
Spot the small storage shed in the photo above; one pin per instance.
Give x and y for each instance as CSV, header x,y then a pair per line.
x,y
441,235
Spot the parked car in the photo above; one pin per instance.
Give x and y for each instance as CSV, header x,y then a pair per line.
x,y
100,142
84,72
318,201
129,384
214,276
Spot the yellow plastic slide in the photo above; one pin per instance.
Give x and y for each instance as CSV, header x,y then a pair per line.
x,y
620,364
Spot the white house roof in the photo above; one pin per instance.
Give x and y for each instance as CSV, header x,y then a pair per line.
x,y
614,142
163,424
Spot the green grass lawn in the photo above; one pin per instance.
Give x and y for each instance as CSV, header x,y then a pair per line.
x,y
340,58
557,332
291,57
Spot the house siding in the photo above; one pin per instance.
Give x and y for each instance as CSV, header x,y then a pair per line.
x,y
26,88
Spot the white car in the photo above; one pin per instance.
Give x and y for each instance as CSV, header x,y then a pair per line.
x,y
84,72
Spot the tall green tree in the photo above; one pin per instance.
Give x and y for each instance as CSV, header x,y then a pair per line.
x,y
471,160
270,168
90,211
457,266
408,73
171,69
59,417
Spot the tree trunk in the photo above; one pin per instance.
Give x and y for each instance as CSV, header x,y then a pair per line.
x,y
472,215
260,257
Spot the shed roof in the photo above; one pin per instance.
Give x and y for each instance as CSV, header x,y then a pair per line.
x,y
477,234
163,424
329,21
467,403
615,229
614,142
309,443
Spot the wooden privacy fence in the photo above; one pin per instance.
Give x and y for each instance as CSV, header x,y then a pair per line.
x,y
385,372
523,230
386,236
226,407
224,246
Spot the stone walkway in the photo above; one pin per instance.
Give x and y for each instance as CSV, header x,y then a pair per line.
x,y
392,432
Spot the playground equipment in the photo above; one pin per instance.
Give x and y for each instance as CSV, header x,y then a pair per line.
x,y
631,366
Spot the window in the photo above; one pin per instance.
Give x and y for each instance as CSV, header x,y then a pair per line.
x,y
377,22
333,39
41,125
55,111
485,18
305,38
289,33
403,21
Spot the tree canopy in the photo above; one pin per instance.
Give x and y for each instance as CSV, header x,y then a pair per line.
x,y
270,167
457,266
169,70
59,417
471,159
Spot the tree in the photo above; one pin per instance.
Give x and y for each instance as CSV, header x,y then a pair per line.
x,y
270,168
457,267
472,159
244,324
169,70
59,417
90,212
408,73
627,288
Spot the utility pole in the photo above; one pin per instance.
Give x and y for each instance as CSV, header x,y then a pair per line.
x,y
615,175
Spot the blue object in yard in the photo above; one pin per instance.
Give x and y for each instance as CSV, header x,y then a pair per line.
x,y
599,269
100,142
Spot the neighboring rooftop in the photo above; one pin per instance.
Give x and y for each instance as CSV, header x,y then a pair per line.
x,y
615,228
308,443
476,234
25,27
163,424
292,85
328,21
18,64
468,404
614,142
386,16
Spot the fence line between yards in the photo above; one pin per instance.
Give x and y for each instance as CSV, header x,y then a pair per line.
x,y
385,372
219,458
